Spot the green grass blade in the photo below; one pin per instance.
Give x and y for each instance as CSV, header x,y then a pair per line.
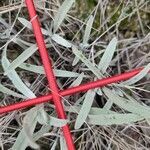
x,y
57,122
108,104
93,110
101,116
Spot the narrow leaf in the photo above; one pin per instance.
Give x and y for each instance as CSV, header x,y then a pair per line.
x,y
40,70
63,145
113,119
22,141
75,61
10,92
25,22
44,129
85,109
22,58
93,110
28,24
88,30
102,116
29,133
137,77
131,106
108,55
78,80
61,41
108,104
13,76
86,62
57,122
61,14
54,145
44,118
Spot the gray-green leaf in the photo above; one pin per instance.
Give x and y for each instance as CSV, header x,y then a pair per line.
x,y
61,41
107,56
61,14
85,109
88,30
137,77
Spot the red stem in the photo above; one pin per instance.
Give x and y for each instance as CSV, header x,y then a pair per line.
x,y
70,91
49,72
